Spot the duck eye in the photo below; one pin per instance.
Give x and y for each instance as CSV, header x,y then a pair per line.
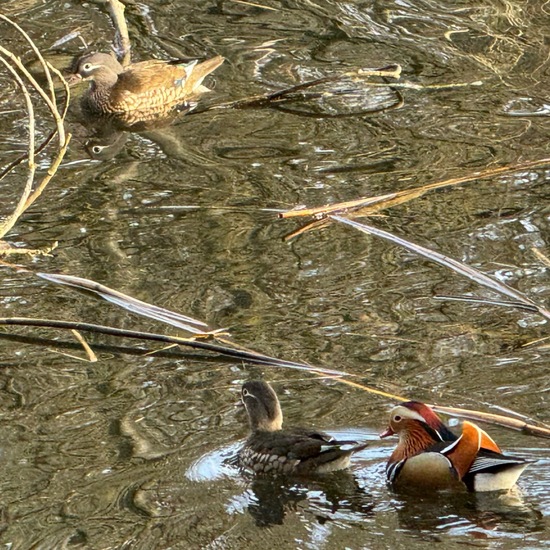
x,y
397,418
246,393
87,67
96,149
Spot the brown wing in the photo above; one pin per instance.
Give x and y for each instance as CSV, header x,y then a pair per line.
x,y
298,450
147,75
158,75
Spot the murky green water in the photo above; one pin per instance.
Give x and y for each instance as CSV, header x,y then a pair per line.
x,y
128,452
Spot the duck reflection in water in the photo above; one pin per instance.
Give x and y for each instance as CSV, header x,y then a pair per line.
x,y
106,146
480,514
271,500
107,139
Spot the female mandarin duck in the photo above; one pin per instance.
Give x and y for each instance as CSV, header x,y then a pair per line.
x,y
270,449
430,455
150,88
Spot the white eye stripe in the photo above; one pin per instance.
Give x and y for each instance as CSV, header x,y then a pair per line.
x,y
405,413
246,393
88,67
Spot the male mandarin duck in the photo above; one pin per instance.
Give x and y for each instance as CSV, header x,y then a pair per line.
x,y
270,449
150,88
428,454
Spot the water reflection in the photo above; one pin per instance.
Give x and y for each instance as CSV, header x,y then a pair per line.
x,y
216,464
331,298
325,498
106,146
360,494
270,499
476,514
108,135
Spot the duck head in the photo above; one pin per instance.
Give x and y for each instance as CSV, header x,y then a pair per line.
x,y
99,67
262,406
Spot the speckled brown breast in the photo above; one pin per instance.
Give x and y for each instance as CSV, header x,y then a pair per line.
x,y
298,451
265,462
153,102
153,88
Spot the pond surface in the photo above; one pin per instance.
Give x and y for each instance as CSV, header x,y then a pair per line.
x,y
131,451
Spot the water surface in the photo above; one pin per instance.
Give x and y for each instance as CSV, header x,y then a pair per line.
x,y
130,452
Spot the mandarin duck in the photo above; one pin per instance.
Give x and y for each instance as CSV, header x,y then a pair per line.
x,y
428,454
270,449
147,89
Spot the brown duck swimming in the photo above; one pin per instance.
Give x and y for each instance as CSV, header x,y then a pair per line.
x,y
271,450
147,89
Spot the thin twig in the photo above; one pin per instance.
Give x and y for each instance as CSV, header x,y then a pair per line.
x,y
52,170
460,268
92,357
544,259
231,349
29,196
116,10
241,355
51,105
20,208
52,134
260,359
505,421
380,202
129,303
7,250
296,91
254,5
37,52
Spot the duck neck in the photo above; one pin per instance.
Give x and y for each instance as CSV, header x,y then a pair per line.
x,y
267,425
415,439
105,77
101,86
